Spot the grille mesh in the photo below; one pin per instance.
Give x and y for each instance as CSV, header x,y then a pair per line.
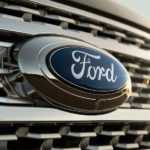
x,y
140,77
33,12
75,136
30,12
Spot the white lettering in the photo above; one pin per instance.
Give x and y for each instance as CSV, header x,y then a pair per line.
x,y
83,61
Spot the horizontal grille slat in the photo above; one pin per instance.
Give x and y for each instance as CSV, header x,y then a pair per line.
x,y
21,8
8,137
112,133
43,135
67,148
105,147
137,132
116,34
127,146
91,26
81,134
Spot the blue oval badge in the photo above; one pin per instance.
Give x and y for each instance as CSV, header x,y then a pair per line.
x,y
88,69
73,75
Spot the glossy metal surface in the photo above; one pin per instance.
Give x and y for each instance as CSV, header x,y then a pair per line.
x,y
32,63
32,114
94,16
36,29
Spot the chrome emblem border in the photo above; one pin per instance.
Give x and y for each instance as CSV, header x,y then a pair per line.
x,y
58,93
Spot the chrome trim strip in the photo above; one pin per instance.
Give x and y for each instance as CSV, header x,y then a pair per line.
x,y
91,16
35,29
32,114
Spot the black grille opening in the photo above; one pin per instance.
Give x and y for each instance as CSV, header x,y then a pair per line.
x,y
130,135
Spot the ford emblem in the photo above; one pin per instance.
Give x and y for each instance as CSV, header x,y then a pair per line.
x,y
73,75
89,69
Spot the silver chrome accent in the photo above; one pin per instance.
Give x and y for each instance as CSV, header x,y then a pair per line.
x,y
33,114
90,15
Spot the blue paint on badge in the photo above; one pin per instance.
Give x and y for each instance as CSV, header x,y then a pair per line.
x,y
88,69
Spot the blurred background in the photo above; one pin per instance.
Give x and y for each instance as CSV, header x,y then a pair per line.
x,y
142,6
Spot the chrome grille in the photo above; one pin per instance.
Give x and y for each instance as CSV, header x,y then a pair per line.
x,y
38,13
22,19
140,76
75,136
45,15
29,11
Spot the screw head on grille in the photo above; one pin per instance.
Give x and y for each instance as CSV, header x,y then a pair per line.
x,y
73,75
